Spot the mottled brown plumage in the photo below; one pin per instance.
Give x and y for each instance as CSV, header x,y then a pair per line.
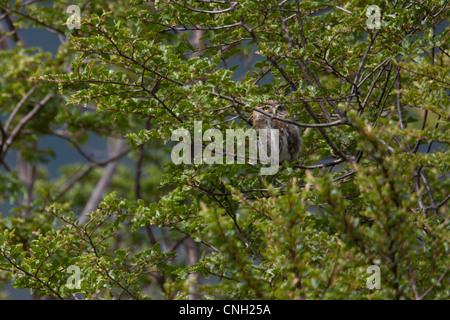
x,y
289,135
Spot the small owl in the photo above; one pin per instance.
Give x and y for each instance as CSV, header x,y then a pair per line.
x,y
289,135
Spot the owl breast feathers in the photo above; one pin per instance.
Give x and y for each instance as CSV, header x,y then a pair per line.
x,y
289,135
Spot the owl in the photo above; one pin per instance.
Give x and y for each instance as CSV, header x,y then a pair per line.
x,y
289,136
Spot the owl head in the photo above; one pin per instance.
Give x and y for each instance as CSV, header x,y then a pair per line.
x,y
275,108
272,107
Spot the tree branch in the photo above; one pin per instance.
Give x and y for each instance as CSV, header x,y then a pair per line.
x,y
23,121
104,181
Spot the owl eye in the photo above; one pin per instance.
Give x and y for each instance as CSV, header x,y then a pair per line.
x,y
266,109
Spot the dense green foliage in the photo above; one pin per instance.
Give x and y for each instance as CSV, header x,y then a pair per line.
x,y
371,188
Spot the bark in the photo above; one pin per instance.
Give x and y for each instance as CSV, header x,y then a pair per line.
x,y
105,180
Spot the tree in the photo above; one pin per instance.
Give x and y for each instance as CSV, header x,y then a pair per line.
x,y
367,85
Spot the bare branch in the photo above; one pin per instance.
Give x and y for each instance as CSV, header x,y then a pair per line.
x,y
18,106
304,125
23,121
104,182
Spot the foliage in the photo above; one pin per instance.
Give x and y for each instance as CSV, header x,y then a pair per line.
x,y
370,188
